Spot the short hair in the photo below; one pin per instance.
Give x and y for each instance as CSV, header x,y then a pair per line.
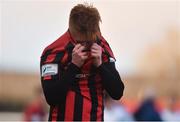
x,y
85,19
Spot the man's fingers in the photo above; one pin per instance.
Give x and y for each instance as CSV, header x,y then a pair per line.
x,y
94,50
80,49
84,57
77,47
96,47
83,53
94,53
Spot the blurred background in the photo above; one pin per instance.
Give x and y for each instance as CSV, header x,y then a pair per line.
x,y
143,34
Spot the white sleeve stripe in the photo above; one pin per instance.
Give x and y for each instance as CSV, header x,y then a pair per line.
x,y
112,59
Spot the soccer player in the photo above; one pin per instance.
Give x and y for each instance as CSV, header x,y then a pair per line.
x,y
77,68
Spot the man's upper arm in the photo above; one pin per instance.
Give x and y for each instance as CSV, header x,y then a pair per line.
x,y
50,66
51,71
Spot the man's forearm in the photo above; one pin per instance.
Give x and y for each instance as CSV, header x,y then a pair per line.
x,y
111,80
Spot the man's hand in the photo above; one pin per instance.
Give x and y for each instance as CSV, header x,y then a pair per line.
x,y
78,56
96,53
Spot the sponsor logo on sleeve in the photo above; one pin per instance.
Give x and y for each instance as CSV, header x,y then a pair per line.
x,y
49,69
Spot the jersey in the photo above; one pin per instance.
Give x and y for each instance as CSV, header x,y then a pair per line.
x,y
78,92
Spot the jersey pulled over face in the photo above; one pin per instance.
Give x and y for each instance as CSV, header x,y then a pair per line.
x,y
87,44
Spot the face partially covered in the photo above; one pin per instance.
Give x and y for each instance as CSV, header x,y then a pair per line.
x,y
84,22
87,44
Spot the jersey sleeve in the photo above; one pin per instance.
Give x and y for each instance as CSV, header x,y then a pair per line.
x,y
56,79
107,53
111,79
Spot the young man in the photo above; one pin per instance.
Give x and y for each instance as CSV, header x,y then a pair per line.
x,y
77,68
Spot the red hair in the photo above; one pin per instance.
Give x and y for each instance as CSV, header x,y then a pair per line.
x,y
84,19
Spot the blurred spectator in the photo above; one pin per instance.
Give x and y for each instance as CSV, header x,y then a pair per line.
x,y
172,112
114,111
147,111
36,110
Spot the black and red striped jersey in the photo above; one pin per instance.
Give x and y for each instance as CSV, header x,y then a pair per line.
x,y
73,93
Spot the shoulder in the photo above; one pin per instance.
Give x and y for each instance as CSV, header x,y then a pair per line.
x,y
58,45
106,46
